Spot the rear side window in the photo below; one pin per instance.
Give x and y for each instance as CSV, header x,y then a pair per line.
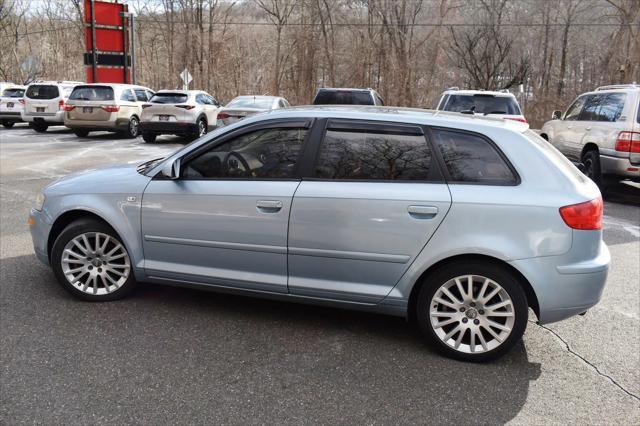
x,y
127,95
92,93
471,158
141,94
13,93
603,107
42,91
482,104
360,155
169,98
343,97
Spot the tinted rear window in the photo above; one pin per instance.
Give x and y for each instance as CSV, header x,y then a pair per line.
x,y
13,93
471,158
260,103
482,104
42,91
169,98
343,97
92,93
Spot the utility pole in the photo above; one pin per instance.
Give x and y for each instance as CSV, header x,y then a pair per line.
x,y
131,29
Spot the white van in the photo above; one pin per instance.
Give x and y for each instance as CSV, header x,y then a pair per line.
x,y
44,103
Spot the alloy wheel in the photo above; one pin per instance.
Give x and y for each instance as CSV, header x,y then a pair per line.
x,y
133,127
95,263
202,128
472,314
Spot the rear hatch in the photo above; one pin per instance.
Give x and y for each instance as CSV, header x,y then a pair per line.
x,y
11,101
91,103
485,105
231,115
343,97
42,99
166,108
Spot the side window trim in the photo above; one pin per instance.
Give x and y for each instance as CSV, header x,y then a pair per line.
x,y
443,167
374,126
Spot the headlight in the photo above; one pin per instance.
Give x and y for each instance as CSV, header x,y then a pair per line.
x,y
39,201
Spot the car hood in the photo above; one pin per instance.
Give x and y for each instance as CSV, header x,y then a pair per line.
x,y
112,179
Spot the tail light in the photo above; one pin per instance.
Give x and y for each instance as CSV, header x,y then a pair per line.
x,y
628,142
520,119
185,106
110,108
586,216
69,107
223,115
146,105
61,104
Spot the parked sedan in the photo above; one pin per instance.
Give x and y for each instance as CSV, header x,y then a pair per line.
x,y
245,106
187,113
461,223
11,105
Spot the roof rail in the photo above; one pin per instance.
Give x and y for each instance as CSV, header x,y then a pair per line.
x,y
504,91
619,86
454,88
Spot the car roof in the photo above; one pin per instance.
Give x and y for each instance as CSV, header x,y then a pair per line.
x,y
116,85
350,89
395,114
479,92
257,97
182,92
54,82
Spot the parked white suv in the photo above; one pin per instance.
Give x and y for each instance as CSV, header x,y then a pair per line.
x,y
11,105
44,103
189,113
601,129
106,106
501,104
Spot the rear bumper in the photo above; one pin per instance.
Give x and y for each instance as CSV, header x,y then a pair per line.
x,y
564,288
51,117
619,167
108,125
175,128
10,116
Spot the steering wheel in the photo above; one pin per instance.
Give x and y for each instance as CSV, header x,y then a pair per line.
x,y
238,157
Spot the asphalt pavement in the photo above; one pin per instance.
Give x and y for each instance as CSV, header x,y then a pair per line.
x,y
168,355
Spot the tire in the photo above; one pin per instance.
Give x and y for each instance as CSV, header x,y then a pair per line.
x,y
133,128
39,127
93,282
149,137
591,161
470,316
81,133
8,124
201,128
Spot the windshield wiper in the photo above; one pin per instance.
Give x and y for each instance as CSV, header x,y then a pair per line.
x,y
495,112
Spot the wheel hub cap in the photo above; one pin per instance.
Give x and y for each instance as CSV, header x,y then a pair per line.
x,y
471,313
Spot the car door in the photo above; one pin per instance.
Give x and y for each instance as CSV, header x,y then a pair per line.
x,y
373,199
141,98
225,220
128,104
567,130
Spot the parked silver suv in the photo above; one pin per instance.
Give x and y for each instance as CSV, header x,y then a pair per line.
x,y
601,129
457,221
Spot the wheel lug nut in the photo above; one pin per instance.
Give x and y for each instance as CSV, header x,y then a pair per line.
x,y
90,267
99,269
472,304
481,311
464,320
462,309
476,322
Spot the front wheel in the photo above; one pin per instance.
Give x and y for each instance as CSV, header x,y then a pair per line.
x,y
149,137
39,127
472,311
8,124
91,262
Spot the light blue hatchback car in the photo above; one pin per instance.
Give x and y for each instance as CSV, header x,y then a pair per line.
x,y
458,222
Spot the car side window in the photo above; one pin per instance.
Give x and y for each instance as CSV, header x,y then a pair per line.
x,y
369,155
265,153
127,95
574,110
141,95
200,99
472,158
612,107
591,109
149,94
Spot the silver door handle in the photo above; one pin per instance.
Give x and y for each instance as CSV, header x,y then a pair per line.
x,y
589,128
269,206
422,212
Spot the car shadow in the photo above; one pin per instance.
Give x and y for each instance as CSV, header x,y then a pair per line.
x,y
626,193
300,362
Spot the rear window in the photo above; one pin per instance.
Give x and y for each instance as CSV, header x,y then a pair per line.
x,y
343,97
260,103
92,93
42,91
13,93
482,104
472,158
169,98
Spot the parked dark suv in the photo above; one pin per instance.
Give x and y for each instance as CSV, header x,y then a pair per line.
x,y
332,96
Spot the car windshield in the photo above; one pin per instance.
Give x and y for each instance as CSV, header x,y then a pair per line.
x,y
13,93
42,91
251,102
92,93
169,98
343,97
482,104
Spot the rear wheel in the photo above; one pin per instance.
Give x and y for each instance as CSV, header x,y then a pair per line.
x,y
591,161
149,137
91,262
472,311
39,127
201,129
133,128
81,133
8,124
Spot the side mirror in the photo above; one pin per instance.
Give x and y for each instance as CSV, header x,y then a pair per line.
x,y
556,115
171,170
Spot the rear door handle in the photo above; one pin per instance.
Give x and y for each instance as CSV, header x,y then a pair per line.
x,y
269,206
422,212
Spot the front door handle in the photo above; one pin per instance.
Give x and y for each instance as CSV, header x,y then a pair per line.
x,y
269,206
422,212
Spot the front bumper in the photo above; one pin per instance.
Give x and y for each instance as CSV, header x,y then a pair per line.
x,y
50,117
39,228
565,289
619,167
